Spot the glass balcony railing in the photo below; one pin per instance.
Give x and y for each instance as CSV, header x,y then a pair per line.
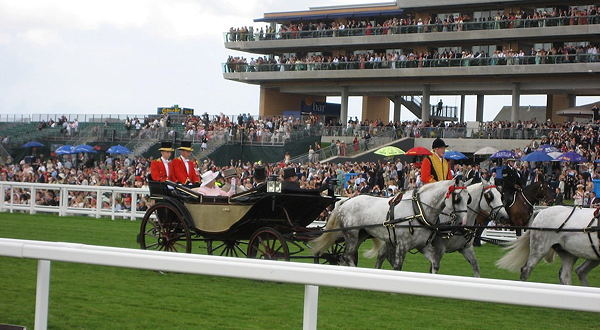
x,y
422,28
413,63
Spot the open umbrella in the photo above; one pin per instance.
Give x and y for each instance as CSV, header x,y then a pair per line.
x,y
64,150
84,148
454,155
486,151
390,151
418,151
504,154
547,148
572,156
32,144
118,150
537,156
555,154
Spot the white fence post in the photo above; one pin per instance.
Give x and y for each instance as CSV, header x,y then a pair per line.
x,y
99,196
2,197
133,206
41,295
311,307
32,196
12,199
63,202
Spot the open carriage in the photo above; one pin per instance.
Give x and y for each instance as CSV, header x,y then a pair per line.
x,y
254,224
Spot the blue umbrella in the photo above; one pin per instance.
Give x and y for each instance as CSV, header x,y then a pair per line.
x,y
504,154
32,144
572,156
118,150
547,148
84,148
64,150
454,155
537,156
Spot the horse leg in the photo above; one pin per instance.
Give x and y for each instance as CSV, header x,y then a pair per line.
x,y
434,252
584,269
536,253
400,253
469,254
568,260
351,250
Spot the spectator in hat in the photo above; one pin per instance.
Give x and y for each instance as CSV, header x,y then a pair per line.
x,y
159,168
183,169
434,167
291,185
208,187
511,181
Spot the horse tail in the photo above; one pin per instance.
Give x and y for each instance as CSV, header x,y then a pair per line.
x,y
327,239
374,251
517,255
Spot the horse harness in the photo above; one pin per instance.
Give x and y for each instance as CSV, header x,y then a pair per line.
x,y
587,229
391,222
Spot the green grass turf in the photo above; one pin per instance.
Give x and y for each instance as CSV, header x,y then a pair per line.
x,y
94,297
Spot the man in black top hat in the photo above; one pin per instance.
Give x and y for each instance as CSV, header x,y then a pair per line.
x,y
511,181
159,168
290,183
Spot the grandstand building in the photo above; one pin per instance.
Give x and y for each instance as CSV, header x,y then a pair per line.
x,y
408,51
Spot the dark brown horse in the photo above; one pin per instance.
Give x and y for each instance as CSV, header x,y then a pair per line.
x,y
521,209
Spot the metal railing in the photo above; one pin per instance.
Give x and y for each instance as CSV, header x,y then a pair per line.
x,y
416,28
310,275
477,133
62,199
413,63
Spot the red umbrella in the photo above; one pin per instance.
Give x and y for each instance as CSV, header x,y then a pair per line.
x,y
418,151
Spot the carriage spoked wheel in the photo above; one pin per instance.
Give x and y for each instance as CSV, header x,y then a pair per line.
x,y
164,229
227,248
267,243
333,255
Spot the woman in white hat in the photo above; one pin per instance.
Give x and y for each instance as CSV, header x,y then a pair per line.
x,y
208,188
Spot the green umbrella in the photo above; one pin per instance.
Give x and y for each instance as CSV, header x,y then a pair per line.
x,y
390,151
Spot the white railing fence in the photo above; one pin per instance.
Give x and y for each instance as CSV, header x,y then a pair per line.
x,y
64,199
310,275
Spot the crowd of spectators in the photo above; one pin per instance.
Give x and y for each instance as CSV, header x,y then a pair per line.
x,y
400,60
409,23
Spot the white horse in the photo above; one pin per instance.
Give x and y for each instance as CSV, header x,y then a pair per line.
x,y
367,214
485,201
534,245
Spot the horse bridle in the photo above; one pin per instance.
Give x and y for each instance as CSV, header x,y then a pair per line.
x,y
489,197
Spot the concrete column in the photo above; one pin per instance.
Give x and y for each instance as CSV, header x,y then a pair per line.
x,y
274,103
376,108
425,105
556,103
479,110
516,102
462,108
397,108
344,103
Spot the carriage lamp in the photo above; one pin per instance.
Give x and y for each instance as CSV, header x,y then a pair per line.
x,y
273,185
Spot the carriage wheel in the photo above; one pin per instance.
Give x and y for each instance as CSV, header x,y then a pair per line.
x,y
228,248
333,255
164,229
267,243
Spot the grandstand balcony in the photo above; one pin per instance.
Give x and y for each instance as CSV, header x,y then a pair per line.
x,y
408,36
450,76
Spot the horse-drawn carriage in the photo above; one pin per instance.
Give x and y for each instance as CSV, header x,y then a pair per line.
x,y
256,224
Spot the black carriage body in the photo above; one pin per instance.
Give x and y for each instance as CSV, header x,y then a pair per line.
x,y
214,218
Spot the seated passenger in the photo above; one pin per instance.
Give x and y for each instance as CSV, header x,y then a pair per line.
x,y
208,188
290,183
230,176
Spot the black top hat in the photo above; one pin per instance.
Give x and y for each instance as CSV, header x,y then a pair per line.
x,y
260,173
186,145
289,172
439,143
166,146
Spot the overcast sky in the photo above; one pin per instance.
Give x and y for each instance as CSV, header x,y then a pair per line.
x,y
132,56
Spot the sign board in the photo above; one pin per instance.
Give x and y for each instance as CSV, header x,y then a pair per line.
x,y
321,108
175,110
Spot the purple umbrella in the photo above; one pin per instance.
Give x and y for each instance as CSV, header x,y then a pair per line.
x,y
504,154
572,156
547,148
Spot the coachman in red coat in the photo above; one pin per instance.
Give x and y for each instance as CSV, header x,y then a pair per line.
x,y
159,168
183,170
